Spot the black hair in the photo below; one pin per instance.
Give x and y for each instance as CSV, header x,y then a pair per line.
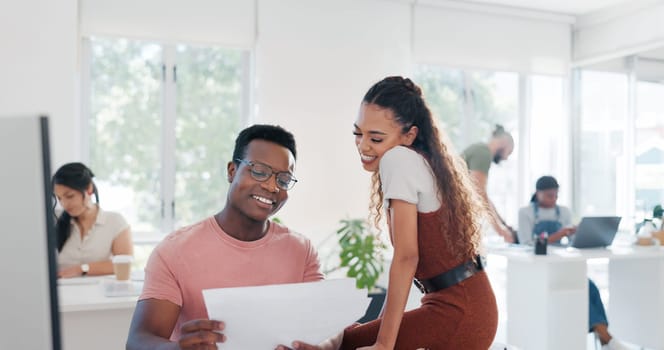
x,y
544,183
500,131
78,177
272,133
401,96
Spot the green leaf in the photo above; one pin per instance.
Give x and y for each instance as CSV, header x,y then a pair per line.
x,y
360,252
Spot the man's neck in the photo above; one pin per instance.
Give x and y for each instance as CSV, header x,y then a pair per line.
x,y
493,146
240,227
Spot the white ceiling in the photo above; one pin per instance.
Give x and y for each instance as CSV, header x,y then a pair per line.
x,y
571,7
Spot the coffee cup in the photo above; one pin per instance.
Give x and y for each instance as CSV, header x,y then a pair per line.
x,y
644,240
122,266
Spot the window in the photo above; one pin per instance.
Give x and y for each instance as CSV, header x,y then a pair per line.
x,y
549,137
160,125
468,106
445,93
601,158
649,148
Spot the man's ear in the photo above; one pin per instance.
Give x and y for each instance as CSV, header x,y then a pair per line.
x,y
410,136
231,168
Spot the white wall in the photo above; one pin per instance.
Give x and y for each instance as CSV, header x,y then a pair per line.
x,y
226,22
489,37
314,61
616,32
38,66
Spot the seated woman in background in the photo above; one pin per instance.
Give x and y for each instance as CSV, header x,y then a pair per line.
x,y
87,236
543,214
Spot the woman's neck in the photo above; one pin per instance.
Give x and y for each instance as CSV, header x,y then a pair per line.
x,y
87,218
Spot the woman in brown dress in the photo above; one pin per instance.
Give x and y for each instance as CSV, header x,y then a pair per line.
x,y
432,215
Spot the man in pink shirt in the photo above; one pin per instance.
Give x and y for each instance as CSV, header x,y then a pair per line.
x,y
239,246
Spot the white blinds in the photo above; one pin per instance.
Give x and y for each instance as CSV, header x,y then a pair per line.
x,y
225,22
494,41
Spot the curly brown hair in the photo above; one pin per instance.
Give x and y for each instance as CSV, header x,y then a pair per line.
x,y
462,206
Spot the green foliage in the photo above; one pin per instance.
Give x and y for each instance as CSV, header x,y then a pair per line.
x,y
126,127
657,211
209,114
444,92
360,252
450,93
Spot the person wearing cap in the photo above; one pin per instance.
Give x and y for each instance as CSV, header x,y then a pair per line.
x,y
543,214
478,158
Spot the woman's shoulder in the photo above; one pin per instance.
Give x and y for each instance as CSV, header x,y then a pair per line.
x,y
400,155
477,149
526,209
111,217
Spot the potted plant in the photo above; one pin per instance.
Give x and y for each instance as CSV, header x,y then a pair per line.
x,y
657,214
360,252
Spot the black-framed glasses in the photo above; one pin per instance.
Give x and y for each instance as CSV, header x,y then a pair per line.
x,y
261,172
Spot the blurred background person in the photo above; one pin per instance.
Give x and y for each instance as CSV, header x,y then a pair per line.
x,y
543,214
478,157
87,236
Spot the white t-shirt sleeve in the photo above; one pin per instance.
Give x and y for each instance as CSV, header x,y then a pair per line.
x,y
117,223
406,175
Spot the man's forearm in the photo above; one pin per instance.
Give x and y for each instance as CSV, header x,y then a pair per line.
x,y
495,219
147,341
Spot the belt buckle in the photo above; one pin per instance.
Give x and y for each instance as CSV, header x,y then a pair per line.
x,y
480,262
419,286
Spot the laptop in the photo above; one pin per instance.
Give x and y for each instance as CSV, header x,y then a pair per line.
x,y
595,231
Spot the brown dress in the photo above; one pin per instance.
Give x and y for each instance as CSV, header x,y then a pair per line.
x,y
461,317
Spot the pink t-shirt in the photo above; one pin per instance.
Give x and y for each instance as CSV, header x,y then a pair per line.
x,y
203,256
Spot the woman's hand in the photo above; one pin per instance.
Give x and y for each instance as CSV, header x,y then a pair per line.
x,y
564,232
201,334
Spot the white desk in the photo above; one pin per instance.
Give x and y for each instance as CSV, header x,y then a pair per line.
x,y
547,296
89,319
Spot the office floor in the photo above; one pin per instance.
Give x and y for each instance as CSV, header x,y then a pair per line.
x,y
597,271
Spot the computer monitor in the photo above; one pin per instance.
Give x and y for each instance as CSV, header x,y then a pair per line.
x,y
29,317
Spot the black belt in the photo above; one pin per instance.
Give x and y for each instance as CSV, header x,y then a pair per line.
x,y
451,277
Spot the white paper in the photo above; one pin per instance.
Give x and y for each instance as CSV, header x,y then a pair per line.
x,y
265,316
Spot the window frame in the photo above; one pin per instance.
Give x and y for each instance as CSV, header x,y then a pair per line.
x,y
168,115
525,182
